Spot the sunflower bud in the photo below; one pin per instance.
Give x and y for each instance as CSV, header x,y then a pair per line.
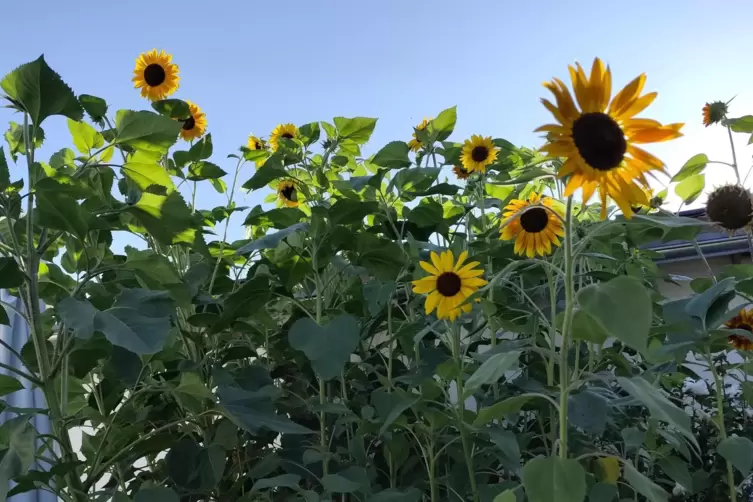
x,y
714,113
730,207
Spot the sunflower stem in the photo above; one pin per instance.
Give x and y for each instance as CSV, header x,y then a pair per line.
x,y
734,154
467,452
566,326
719,388
322,388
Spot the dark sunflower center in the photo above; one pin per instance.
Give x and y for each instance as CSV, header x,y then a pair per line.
x,y
154,75
479,153
746,327
448,284
258,145
189,124
599,140
534,220
287,135
289,193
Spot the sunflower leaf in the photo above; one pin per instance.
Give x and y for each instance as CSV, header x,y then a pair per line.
x,y
144,130
35,88
695,165
85,137
357,129
172,108
94,106
202,149
440,128
393,156
271,170
691,187
204,171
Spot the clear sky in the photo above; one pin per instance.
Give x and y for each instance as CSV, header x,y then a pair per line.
x,y
252,64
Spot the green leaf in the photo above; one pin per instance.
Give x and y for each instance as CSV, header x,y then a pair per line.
x,y
281,481
529,175
85,137
36,88
394,495
694,166
602,492
508,446
438,189
741,124
56,209
146,172
172,108
691,187
390,405
204,170
643,485
349,211
394,155
15,138
271,170
357,129
281,217
621,307
714,300
328,347
10,274
587,328
192,385
63,158
552,479
168,219
677,470
658,405
19,455
428,213
440,128
378,294
202,149
145,130
506,496
94,106
309,133
739,451
9,384
588,411
4,171
156,494
491,370
273,239
339,484
499,410
254,410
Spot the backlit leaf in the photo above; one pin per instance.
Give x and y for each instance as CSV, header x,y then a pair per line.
x,y
145,130
394,155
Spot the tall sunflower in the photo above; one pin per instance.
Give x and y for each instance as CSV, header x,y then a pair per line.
x,y
535,229
714,113
478,152
449,284
287,193
599,139
255,143
155,75
461,172
287,131
196,125
743,321
415,144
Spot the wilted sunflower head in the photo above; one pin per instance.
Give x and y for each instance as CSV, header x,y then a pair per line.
x,y
155,75
714,113
730,207
414,144
255,143
287,193
461,172
195,126
742,321
287,131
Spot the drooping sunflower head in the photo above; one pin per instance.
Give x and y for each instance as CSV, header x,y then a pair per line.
x,y
155,75
196,125
535,225
742,321
255,143
449,284
730,207
714,113
652,202
461,172
478,152
287,131
287,193
414,144
599,134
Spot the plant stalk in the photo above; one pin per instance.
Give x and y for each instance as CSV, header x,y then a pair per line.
x,y
467,453
719,387
566,327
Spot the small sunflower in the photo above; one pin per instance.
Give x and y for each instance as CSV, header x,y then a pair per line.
x,y
461,172
535,229
195,126
155,75
255,143
730,207
652,202
449,284
288,193
287,131
415,144
478,152
599,139
743,321
714,113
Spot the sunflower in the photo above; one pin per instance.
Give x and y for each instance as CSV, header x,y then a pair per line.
x,y
461,172
415,144
743,321
534,229
715,112
652,202
155,75
255,143
598,140
195,126
287,131
288,193
478,152
449,284
730,207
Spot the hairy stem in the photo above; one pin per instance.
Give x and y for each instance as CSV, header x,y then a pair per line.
x,y
566,326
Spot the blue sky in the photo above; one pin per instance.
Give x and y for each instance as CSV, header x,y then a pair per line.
x,y
251,65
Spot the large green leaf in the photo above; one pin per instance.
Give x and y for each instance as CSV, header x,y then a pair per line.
x,y
145,130
677,470
271,170
56,209
440,128
492,370
694,166
145,170
711,305
508,446
281,217
643,485
336,483
156,494
357,129
172,108
739,451
19,454
10,274
588,411
254,411
395,495
281,481
499,410
273,239
36,88
741,124
202,149
85,137
96,107
204,170
9,384
328,347
691,187
168,219
390,405
4,171
587,328
552,479
622,307
393,155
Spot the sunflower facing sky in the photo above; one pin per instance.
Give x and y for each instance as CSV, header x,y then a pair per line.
x,y
598,137
195,126
478,152
536,229
461,172
743,321
287,193
449,284
287,131
155,75
415,144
